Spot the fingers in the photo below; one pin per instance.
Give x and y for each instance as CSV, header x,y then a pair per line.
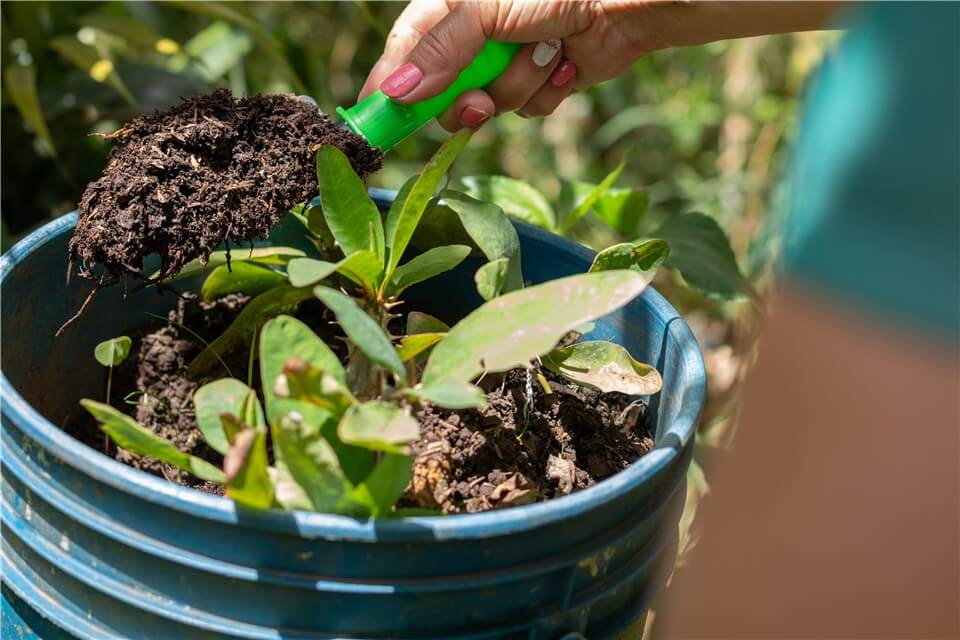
x,y
560,85
469,111
417,19
525,75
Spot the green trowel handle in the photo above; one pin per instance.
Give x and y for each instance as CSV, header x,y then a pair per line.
x,y
384,123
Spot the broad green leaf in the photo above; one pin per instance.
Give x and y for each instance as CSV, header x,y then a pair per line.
x,y
514,328
286,491
91,61
700,250
241,277
413,345
317,225
227,395
622,209
515,197
304,382
378,425
451,394
352,216
280,299
406,220
278,256
591,198
245,470
604,366
112,352
425,266
418,322
377,494
135,438
212,52
21,83
488,227
645,255
361,267
491,277
396,207
285,337
363,330
306,455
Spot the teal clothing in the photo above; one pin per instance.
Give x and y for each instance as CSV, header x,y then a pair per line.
x,y
874,184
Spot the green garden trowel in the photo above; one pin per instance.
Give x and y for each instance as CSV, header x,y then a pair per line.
x,y
383,123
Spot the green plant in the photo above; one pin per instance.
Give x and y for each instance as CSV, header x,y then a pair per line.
x,y
341,431
111,353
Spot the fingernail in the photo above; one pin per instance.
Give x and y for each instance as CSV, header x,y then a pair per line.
x,y
563,73
402,81
545,52
471,116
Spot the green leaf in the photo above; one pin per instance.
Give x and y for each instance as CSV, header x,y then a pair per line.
x,y
378,425
700,250
135,438
304,382
351,215
241,277
90,60
280,299
408,217
604,366
646,255
131,30
591,198
413,345
305,454
514,328
377,494
227,395
278,256
112,352
489,228
622,209
425,266
418,322
396,207
317,225
362,267
212,52
245,470
21,83
451,394
363,330
285,337
491,277
515,197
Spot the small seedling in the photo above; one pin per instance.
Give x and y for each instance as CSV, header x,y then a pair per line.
x,y
111,353
341,432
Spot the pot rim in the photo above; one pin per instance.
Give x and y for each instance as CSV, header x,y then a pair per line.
x,y
514,520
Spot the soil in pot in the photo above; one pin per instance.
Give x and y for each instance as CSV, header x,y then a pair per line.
x,y
527,445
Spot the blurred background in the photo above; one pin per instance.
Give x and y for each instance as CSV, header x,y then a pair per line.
x,y
708,129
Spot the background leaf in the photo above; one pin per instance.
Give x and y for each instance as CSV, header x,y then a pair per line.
x,y
515,197
584,206
21,83
419,322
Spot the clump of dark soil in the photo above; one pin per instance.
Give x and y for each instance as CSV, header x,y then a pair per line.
x,y
526,445
213,169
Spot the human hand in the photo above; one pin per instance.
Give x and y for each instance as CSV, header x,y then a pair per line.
x,y
572,46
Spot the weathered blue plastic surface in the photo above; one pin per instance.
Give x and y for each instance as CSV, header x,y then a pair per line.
x,y
95,549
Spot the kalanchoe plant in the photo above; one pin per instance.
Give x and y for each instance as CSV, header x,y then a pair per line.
x,y
341,431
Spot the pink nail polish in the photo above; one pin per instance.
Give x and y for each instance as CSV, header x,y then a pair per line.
x,y
402,81
471,116
563,74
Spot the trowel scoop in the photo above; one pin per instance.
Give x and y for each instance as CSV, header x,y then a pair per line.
x,y
383,123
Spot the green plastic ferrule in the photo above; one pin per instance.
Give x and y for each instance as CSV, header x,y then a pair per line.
x,y
383,123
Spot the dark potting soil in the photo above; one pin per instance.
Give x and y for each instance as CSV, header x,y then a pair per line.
x,y
180,182
526,445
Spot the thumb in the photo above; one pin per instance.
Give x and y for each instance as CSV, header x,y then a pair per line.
x,y
440,55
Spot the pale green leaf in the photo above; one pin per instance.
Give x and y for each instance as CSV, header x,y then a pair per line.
x,y
515,197
363,330
491,277
280,299
227,395
425,266
304,382
241,277
212,52
21,83
516,327
646,255
451,394
622,209
245,470
135,438
591,198
362,267
604,366
112,352
377,494
378,425
277,256
310,460
351,215
413,345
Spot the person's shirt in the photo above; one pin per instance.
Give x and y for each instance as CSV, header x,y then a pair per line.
x,y
874,183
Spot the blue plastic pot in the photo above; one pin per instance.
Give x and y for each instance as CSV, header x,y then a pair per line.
x,y
95,549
